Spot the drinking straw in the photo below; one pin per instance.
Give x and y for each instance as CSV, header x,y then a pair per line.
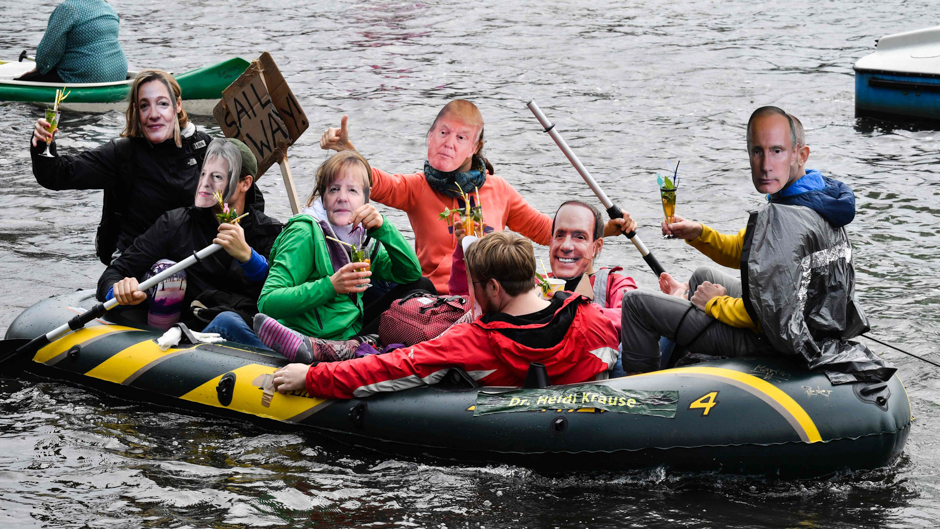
x,y
339,241
543,267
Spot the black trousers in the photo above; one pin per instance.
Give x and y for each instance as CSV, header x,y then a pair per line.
x,y
51,77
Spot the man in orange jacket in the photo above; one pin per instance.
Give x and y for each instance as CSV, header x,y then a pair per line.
x,y
567,334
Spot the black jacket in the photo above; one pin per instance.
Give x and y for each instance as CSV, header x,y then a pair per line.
x,y
181,232
148,179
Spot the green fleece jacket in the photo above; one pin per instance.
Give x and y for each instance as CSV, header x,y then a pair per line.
x,y
299,293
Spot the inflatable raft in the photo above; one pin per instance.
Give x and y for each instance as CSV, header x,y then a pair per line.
x,y
737,416
202,88
901,78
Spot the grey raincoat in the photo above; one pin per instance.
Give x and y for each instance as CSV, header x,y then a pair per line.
x,y
798,279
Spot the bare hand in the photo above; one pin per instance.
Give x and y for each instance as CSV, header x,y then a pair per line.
x,y
370,217
292,377
337,139
706,292
126,293
617,226
458,231
40,133
232,239
682,229
347,280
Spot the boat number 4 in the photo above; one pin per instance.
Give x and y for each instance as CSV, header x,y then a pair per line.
x,y
706,403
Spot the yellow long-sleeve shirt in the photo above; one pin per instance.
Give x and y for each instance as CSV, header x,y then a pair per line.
x,y
725,250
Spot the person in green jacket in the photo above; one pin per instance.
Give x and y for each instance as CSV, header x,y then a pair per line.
x,y
313,292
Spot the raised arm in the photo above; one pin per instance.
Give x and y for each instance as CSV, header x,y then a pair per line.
x,y
94,169
525,219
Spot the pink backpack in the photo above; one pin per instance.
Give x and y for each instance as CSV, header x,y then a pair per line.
x,y
420,316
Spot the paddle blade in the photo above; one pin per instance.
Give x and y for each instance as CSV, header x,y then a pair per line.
x,y
11,352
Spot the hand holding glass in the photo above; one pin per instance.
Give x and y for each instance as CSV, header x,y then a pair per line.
x,y
52,117
669,206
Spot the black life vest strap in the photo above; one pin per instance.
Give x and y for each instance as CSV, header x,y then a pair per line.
x,y
745,255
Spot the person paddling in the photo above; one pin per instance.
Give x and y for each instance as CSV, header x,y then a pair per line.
x,y
235,275
577,240
153,168
454,158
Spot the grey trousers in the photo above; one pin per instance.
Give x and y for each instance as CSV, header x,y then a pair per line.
x,y
649,315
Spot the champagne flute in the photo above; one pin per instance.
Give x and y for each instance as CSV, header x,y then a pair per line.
x,y
52,116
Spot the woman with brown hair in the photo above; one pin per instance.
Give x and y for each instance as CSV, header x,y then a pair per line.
x,y
153,168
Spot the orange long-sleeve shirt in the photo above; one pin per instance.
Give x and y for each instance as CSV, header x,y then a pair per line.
x,y
503,207
726,251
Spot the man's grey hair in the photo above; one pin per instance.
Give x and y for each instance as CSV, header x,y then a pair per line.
x,y
232,157
800,133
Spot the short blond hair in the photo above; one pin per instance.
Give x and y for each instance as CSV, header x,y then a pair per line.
x,y
329,171
506,257
133,128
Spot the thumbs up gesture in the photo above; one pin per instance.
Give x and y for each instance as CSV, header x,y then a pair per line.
x,y
337,139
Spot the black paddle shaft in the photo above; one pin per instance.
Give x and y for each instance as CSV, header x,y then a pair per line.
x,y
614,212
75,323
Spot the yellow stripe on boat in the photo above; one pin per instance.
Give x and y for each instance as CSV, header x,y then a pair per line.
x,y
772,395
78,337
121,367
246,396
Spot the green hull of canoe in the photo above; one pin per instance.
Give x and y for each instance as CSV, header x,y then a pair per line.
x,y
203,83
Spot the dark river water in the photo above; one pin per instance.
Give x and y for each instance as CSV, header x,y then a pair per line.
x,y
632,86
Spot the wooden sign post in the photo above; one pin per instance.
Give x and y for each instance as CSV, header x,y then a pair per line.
x,y
260,110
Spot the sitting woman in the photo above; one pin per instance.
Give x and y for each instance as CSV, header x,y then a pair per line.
x,y
80,46
236,275
153,168
315,285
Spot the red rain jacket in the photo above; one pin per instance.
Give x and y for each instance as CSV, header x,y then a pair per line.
x,y
587,349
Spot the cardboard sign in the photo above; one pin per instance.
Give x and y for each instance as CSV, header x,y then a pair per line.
x,y
260,110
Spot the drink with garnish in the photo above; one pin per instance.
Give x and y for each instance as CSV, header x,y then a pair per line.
x,y
667,193
360,256
52,117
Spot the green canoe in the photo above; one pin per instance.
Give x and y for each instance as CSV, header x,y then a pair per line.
x,y
202,88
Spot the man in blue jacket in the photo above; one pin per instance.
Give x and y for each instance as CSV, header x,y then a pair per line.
x,y
795,296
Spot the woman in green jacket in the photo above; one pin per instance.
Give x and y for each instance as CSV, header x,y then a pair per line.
x,y
314,285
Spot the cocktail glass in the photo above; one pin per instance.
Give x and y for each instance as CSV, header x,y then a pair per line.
x,y
53,118
555,285
669,206
359,256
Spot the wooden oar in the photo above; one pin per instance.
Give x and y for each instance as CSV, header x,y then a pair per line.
x,y
14,349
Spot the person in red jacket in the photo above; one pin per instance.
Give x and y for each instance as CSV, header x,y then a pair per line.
x,y
455,157
567,334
